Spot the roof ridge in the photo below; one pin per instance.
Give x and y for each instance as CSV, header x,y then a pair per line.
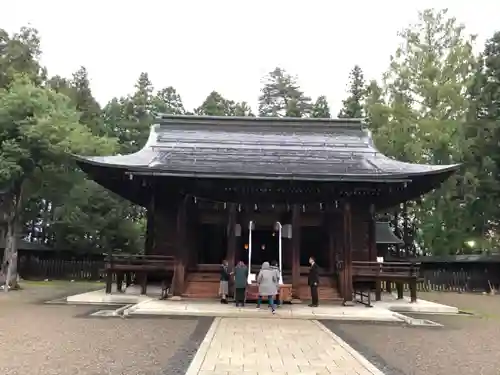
x,y
295,123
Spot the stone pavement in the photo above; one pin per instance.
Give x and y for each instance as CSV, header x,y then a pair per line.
x,y
253,346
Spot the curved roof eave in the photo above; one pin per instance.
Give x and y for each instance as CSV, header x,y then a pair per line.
x,y
254,148
126,163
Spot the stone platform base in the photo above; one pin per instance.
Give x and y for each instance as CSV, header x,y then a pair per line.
x,y
386,310
390,302
198,308
130,295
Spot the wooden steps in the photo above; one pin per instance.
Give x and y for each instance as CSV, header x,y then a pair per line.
x,y
202,285
205,284
327,290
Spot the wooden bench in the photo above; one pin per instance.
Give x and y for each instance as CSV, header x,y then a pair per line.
x,y
138,266
364,273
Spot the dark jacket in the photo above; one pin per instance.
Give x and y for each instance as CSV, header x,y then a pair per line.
x,y
224,273
313,276
240,277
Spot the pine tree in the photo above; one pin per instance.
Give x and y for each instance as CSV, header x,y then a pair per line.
x,y
320,108
281,96
168,101
85,103
214,105
353,106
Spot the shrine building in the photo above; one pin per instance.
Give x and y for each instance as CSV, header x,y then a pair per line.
x,y
223,187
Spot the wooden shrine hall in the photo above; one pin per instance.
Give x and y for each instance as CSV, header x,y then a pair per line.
x,y
262,188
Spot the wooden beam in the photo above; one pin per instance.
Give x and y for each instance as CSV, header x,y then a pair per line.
x,y
347,282
296,250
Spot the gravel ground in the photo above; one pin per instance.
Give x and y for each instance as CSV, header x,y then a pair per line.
x,y
466,345
41,339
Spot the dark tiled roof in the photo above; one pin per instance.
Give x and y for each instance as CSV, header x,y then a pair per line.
x,y
385,235
249,147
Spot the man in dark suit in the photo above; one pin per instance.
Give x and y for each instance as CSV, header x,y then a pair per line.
x,y
313,281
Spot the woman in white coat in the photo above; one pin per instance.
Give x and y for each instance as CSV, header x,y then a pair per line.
x,y
268,282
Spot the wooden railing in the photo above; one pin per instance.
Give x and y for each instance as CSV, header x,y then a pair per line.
x,y
132,262
367,276
396,270
127,265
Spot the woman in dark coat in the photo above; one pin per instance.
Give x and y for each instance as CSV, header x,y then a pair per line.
x,y
240,283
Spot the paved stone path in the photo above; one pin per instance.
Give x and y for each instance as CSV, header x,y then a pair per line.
x,y
258,346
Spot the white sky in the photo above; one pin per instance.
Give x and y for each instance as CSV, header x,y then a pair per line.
x,y
198,46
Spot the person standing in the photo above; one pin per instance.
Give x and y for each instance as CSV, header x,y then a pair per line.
x,y
224,281
313,281
267,285
240,283
275,267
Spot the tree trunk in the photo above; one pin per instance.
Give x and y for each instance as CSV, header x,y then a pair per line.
x,y
9,264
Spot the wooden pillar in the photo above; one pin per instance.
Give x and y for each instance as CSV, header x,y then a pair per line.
x,y
296,251
347,282
372,241
231,242
395,224
180,256
149,246
231,235
405,231
331,242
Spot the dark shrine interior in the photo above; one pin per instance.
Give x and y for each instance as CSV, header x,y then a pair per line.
x,y
212,245
265,247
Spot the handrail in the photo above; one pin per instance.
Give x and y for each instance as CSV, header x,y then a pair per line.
x,y
138,259
368,268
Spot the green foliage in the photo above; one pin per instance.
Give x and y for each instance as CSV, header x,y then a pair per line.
x,y
38,127
281,96
425,119
93,219
216,105
320,108
20,53
438,103
353,105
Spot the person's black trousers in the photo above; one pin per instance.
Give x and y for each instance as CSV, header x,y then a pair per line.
x,y
314,295
239,295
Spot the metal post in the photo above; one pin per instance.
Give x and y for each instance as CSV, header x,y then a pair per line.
x,y
280,252
250,226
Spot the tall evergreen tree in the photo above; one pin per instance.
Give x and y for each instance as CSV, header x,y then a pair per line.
x,y
216,105
483,156
353,106
86,104
426,88
168,101
20,53
281,96
320,108
130,118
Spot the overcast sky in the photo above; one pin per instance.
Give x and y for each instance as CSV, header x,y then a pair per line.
x,y
198,46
